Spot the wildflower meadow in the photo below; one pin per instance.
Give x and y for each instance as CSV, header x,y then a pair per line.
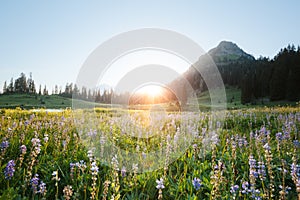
x,y
252,154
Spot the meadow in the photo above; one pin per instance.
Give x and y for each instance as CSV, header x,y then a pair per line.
x,y
252,154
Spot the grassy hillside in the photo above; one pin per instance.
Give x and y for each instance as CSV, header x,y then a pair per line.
x,y
27,101
56,102
34,101
233,96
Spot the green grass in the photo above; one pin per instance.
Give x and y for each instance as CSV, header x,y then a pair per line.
x,y
233,96
27,101
34,101
63,140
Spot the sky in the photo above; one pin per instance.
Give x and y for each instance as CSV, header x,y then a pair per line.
x,y
52,39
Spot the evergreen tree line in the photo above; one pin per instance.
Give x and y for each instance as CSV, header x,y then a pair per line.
x,y
22,85
259,79
275,79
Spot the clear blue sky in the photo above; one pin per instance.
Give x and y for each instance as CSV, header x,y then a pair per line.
x,y
52,39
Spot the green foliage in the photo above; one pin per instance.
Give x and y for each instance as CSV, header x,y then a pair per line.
x,y
218,165
28,101
272,79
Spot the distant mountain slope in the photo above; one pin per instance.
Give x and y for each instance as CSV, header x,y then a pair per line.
x,y
272,79
225,56
228,51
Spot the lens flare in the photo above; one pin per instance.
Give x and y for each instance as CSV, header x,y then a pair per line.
x,y
150,90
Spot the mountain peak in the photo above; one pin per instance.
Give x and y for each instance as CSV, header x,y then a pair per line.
x,y
228,50
227,45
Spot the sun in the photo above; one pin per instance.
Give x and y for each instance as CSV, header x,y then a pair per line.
x,y
150,90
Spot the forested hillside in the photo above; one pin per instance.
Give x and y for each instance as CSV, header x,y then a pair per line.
x,y
264,78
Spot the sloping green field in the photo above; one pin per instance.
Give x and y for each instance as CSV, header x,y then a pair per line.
x,y
233,96
34,101
26,101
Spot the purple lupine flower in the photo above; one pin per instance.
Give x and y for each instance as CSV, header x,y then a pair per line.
x,y
32,116
240,142
298,183
245,141
37,145
252,162
295,170
115,162
284,171
255,194
286,135
254,173
42,188
234,189
72,169
279,136
216,167
261,170
55,177
296,143
102,140
245,187
123,171
9,169
72,165
263,130
195,146
14,125
219,124
135,167
35,141
214,138
46,138
160,183
197,183
287,189
81,165
94,167
4,145
251,135
92,133
54,173
23,149
267,147
252,166
34,183
219,166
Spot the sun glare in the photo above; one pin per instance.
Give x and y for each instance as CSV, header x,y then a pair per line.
x,y
151,90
